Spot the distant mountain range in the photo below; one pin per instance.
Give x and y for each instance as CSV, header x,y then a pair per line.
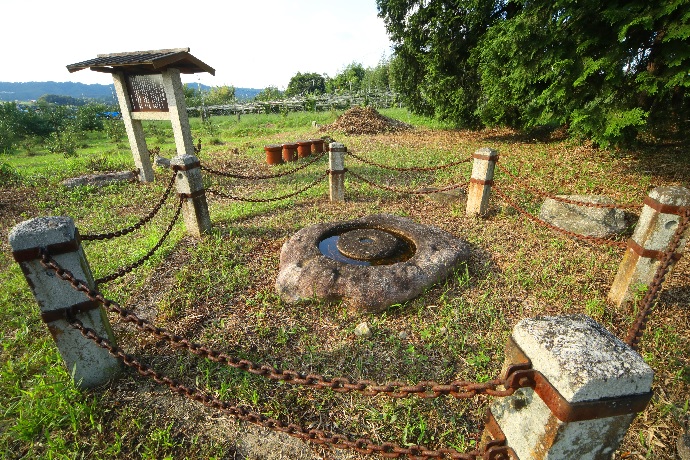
x,y
28,91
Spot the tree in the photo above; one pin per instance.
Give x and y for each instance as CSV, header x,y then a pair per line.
x,y
377,78
10,126
192,96
61,100
90,117
432,42
219,95
604,70
348,79
306,83
270,93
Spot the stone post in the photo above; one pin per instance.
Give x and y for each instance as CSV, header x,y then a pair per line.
x,y
587,387
135,132
336,166
89,364
653,234
190,186
481,180
178,112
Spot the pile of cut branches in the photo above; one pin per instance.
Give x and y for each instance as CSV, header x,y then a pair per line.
x,y
365,120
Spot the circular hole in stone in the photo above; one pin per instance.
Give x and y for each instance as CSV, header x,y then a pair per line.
x,y
366,246
670,225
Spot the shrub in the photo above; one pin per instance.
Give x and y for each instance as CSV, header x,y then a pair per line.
x,y
64,142
9,175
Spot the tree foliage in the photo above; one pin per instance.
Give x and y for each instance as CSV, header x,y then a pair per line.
x,y
377,78
61,100
219,95
603,69
58,127
349,79
270,93
306,83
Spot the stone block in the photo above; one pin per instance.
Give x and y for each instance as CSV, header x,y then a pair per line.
x,y
584,220
584,362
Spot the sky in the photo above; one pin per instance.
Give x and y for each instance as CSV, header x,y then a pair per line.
x,y
250,43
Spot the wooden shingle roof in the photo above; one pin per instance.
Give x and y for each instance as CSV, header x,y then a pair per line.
x,y
154,61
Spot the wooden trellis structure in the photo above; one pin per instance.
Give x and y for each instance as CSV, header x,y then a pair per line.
x,y
148,87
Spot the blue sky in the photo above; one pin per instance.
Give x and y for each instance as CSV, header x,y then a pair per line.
x,y
250,43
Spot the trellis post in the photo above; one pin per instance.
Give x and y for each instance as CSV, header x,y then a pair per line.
x,y
481,180
336,166
190,188
659,219
581,389
88,364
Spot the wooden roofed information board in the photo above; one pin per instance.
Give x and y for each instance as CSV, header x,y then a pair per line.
x,y
149,87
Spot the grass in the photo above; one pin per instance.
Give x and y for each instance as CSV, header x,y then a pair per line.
x,y
220,291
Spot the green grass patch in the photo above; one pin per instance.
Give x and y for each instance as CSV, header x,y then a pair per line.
x,y
220,291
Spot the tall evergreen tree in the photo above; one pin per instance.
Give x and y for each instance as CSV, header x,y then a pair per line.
x,y
604,69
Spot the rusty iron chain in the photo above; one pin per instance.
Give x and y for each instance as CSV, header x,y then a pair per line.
x,y
144,220
409,192
124,270
561,199
427,389
261,177
361,445
646,304
412,168
268,200
589,239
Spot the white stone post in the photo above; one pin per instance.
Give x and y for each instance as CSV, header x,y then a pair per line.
x,y
655,229
336,166
587,387
87,362
135,132
177,110
190,186
481,180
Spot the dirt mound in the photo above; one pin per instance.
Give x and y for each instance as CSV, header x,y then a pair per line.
x,y
365,120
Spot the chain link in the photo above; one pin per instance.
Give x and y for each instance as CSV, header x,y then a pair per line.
x,y
647,302
413,168
124,270
590,239
427,389
260,177
144,220
361,445
267,200
565,200
409,192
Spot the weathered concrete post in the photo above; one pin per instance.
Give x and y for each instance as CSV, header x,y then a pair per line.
x,y
336,166
90,365
481,180
658,221
587,387
190,187
135,132
177,111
